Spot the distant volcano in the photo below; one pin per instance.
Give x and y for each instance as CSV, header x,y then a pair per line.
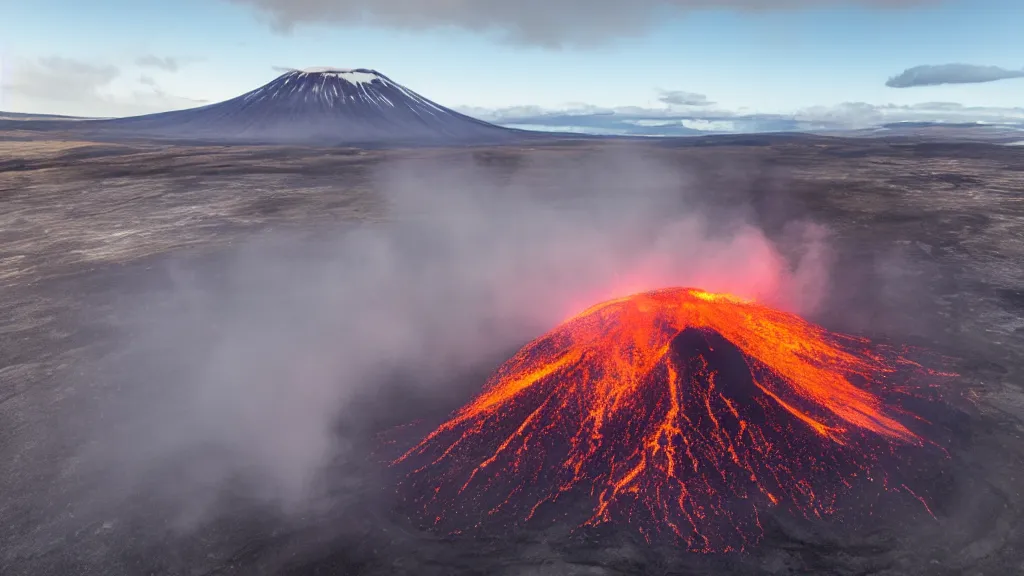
x,y
319,106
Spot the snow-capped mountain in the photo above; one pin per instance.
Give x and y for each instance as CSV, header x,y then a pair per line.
x,y
320,105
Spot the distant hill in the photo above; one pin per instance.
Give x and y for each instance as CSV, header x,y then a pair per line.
x,y
313,106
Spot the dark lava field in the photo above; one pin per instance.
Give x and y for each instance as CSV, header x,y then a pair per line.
x,y
209,354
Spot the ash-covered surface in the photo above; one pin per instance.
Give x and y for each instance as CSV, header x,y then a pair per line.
x,y
202,347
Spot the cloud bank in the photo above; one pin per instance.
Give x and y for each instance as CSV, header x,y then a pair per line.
x,y
709,119
56,77
936,75
551,23
70,86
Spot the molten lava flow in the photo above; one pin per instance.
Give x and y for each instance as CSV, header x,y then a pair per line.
x,y
673,409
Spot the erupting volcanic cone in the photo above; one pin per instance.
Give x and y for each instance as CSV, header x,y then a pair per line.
x,y
677,410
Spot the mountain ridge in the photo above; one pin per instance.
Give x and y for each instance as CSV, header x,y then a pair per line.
x,y
319,105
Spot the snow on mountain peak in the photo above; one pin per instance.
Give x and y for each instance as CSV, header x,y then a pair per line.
x,y
322,105
353,75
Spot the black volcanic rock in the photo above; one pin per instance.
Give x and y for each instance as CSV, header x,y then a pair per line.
x,y
319,105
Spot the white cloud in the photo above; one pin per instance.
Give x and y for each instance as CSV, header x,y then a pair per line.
x,y
60,85
681,98
551,23
672,121
935,75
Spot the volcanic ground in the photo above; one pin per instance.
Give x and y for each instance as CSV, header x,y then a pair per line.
x,y
682,413
96,240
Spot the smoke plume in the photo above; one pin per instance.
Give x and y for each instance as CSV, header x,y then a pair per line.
x,y
243,368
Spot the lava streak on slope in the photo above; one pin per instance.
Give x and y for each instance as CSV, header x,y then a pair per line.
x,y
678,411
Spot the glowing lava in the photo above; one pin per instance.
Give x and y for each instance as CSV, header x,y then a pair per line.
x,y
674,410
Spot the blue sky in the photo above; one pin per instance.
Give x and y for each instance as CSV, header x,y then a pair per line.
x,y
765,61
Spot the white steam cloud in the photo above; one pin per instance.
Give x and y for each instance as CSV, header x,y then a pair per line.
x,y
244,370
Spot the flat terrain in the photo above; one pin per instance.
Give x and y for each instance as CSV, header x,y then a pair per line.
x,y
98,239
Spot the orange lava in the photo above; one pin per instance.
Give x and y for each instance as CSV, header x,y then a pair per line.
x,y
607,410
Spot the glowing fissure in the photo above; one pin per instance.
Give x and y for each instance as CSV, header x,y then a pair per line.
x,y
605,406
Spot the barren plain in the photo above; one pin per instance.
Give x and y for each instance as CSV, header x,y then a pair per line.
x,y
928,243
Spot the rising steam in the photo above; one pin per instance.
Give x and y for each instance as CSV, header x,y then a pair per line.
x,y
241,370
